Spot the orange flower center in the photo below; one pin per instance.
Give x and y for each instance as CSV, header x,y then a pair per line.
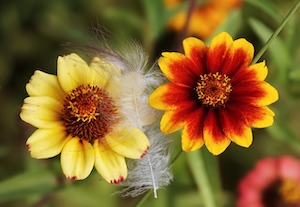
x,y
290,192
213,89
89,113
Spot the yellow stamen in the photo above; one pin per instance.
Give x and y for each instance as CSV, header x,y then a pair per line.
x,y
213,89
290,191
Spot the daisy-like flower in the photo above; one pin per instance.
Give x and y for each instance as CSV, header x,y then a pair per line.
x,y
205,18
81,114
273,182
215,95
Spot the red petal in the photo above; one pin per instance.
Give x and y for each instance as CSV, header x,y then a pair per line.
x,y
175,119
228,56
192,134
196,51
257,93
258,117
256,72
215,140
172,96
178,68
235,127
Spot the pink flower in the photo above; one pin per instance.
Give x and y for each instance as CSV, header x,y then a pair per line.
x,y
273,182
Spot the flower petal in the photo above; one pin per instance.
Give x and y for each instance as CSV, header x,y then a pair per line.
x,y
234,127
229,56
43,84
77,159
41,112
46,143
170,122
110,165
171,96
196,50
100,75
256,72
260,69
72,71
288,168
192,133
257,93
214,138
216,54
239,56
129,142
258,117
178,68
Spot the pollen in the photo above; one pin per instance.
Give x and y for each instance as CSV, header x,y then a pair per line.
x,y
89,113
213,89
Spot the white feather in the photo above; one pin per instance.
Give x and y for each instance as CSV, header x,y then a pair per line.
x,y
152,171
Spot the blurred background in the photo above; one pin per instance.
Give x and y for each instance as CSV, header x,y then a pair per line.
x,y
34,33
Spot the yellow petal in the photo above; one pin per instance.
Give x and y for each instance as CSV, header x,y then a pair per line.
x,y
41,112
77,159
110,165
246,47
72,71
235,126
215,140
189,143
260,69
266,120
106,74
168,124
99,71
178,68
190,44
222,39
270,97
43,84
244,140
129,142
192,133
46,143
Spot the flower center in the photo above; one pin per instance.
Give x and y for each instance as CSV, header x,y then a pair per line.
x,y
89,113
290,192
213,89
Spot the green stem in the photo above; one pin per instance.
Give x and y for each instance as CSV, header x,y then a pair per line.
x,y
199,170
277,31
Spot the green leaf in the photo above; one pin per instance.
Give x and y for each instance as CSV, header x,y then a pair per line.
x,y
35,182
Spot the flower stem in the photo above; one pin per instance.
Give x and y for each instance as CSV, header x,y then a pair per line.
x,y
277,31
199,168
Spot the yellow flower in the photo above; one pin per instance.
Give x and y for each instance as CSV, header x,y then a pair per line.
x,y
205,18
215,95
79,113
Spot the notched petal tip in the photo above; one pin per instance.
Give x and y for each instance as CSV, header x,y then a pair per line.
x,y
117,181
145,152
73,178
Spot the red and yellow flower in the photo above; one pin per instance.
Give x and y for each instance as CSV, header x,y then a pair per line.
x,y
79,115
215,95
204,18
272,182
